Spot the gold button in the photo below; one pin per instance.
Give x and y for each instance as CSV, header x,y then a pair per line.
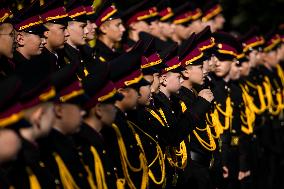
x,y
80,175
131,146
56,181
41,164
104,152
108,173
80,153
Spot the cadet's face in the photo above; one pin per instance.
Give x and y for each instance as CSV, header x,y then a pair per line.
x,y
197,26
166,29
107,113
114,29
130,98
182,32
154,80
271,58
219,21
195,74
155,28
140,26
255,58
77,33
70,117
245,69
145,92
172,82
222,68
212,63
234,71
46,119
7,40
91,27
32,43
56,35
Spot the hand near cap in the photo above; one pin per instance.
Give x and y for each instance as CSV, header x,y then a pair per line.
x,y
206,94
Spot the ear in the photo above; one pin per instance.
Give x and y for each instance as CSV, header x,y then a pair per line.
x,y
20,39
58,110
46,33
121,90
163,79
186,73
36,116
104,27
98,110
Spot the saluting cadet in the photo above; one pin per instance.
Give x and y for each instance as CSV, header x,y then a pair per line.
x,y
201,142
173,133
146,124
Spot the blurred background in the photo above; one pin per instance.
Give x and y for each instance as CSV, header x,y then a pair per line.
x,y
242,14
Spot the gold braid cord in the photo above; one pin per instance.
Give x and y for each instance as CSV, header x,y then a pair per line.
x,y
215,121
127,165
159,156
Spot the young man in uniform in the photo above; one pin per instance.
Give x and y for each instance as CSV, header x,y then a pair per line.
x,y
30,40
100,113
55,19
7,41
110,30
202,144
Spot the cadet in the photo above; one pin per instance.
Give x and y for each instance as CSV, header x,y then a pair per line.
x,y
136,20
110,30
212,15
30,29
11,113
7,41
9,103
55,19
145,123
57,149
202,144
36,122
180,22
77,38
101,113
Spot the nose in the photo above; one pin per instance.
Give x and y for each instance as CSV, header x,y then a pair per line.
x,y
86,31
122,29
66,33
43,41
82,113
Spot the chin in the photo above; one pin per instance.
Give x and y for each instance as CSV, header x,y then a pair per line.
x,y
219,74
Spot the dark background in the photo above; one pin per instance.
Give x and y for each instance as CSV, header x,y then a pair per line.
x,y
242,14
